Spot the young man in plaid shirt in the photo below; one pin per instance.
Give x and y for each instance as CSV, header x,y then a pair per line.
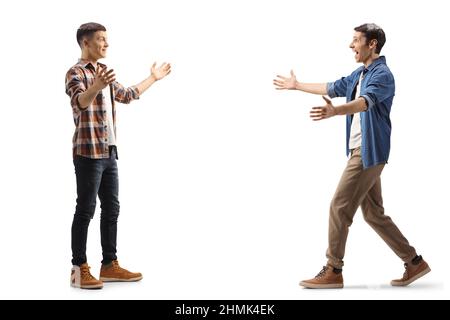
x,y
93,91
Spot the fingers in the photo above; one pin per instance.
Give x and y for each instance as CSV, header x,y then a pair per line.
x,y
292,73
110,79
280,84
100,70
318,113
106,76
281,77
164,66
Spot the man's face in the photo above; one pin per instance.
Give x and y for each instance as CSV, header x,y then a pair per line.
x,y
97,45
361,48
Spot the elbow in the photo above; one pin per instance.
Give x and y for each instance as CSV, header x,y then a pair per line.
x,y
363,106
368,102
80,104
329,90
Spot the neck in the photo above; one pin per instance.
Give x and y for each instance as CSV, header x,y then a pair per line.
x,y
371,59
86,56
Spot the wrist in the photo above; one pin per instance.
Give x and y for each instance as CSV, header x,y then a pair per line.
x,y
336,110
95,88
153,78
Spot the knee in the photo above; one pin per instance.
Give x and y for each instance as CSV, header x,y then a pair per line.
x,y
110,212
367,216
340,212
374,217
84,212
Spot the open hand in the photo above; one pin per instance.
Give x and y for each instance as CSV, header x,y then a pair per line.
x,y
320,113
285,83
160,72
103,77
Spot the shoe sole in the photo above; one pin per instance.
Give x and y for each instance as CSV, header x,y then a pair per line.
x,y
405,283
120,280
322,286
92,287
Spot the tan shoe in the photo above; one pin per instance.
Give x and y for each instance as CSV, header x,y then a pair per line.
x,y
81,277
327,278
414,270
114,273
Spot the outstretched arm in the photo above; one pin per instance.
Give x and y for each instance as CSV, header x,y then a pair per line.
x,y
157,73
328,111
291,83
126,95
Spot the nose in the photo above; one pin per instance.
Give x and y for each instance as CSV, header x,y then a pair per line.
x,y
351,46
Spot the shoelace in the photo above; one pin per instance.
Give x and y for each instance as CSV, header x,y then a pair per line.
x,y
86,274
322,272
405,274
115,265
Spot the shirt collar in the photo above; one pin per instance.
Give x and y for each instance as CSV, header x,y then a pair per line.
x,y
379,60
88,65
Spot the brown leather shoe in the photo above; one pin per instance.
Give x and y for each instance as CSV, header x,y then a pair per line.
x,y
81,277
114,273
327,278
414,270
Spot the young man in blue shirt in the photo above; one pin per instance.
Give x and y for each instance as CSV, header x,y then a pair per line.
x,y
369,90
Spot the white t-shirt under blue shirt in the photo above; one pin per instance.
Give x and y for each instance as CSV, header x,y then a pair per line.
x,y
355,130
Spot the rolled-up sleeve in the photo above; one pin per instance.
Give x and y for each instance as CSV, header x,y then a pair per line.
x,y
338,88
381,86
124,95
74,87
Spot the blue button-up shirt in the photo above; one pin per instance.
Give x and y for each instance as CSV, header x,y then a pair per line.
x,y
378,89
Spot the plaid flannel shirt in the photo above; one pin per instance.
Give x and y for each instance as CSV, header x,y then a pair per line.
x,y
91,134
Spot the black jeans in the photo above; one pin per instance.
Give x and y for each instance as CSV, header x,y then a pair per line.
x,y
96,177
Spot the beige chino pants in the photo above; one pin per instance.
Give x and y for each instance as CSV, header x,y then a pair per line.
x,y
359,187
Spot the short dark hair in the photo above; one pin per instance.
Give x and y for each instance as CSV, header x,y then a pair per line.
x,y
373,32
86,30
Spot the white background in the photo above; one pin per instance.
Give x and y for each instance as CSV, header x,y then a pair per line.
x,y
225,183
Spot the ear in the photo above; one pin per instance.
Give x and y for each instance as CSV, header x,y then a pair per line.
x,y
85,43
373,43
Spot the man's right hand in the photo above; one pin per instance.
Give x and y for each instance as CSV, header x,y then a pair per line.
x,y
285,83
103,78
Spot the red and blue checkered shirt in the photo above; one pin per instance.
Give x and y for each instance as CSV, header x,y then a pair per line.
x,y
91,135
